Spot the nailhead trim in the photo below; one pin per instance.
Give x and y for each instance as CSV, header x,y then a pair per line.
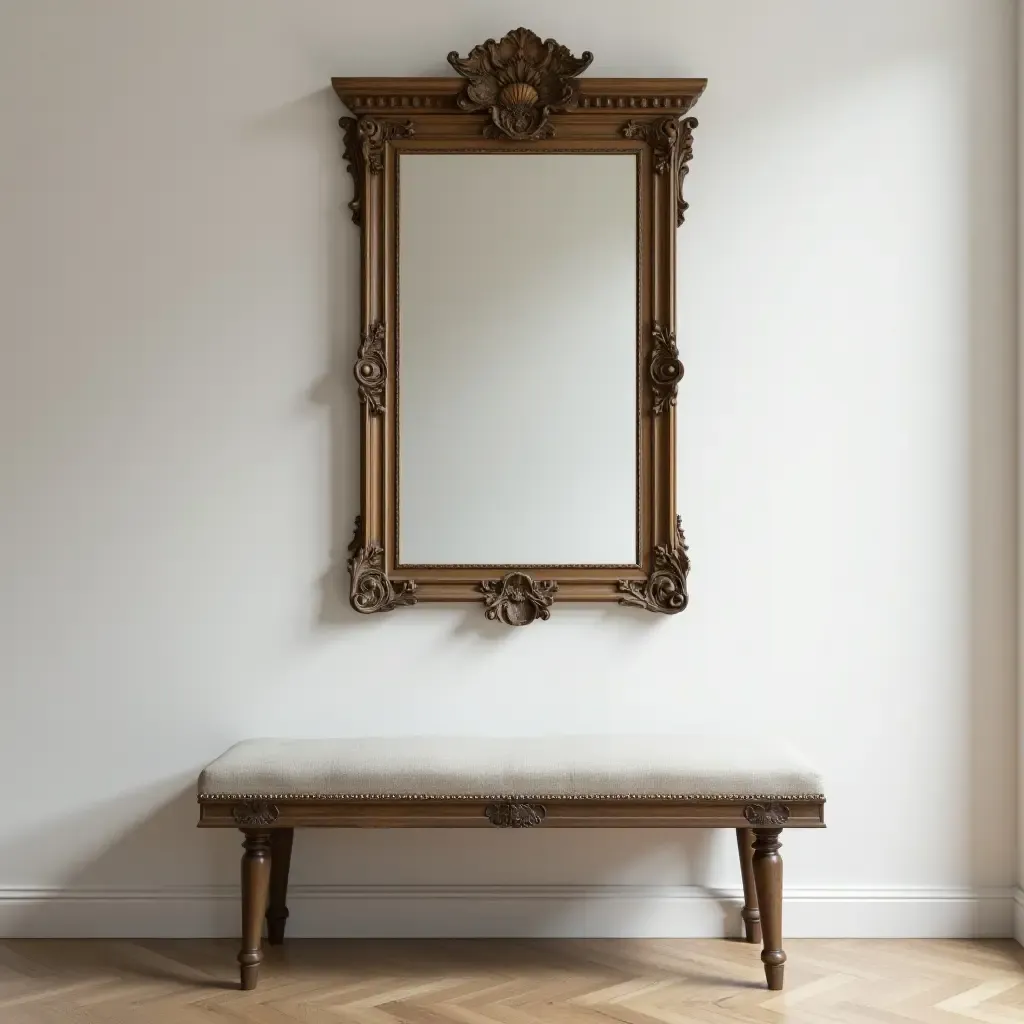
x,y
406,797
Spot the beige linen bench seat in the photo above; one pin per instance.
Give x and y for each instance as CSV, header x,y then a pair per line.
x,y
269,787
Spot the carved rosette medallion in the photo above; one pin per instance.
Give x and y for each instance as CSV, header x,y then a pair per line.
x,y
766,815
672,143
371,369
519,81
666,369
510,815
517,599
372,591
365,139
254,812
665,589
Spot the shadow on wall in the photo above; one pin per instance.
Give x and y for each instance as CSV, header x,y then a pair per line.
x,y
991,543
115,890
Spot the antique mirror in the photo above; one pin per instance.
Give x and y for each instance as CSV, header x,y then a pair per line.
x,y
517,363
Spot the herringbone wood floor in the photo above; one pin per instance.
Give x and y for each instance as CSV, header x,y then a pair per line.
x,y
511,982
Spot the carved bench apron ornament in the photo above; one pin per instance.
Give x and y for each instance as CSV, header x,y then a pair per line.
x,y
510,815
254,812
766,815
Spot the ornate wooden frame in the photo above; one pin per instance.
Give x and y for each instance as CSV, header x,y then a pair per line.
x,y
520,94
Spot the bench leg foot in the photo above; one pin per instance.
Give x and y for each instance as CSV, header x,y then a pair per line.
x,y
255,885
751,916
280,861
768,882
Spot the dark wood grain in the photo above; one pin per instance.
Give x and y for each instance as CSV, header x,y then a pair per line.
x,y
255,885
751,916
614,812
280,863
768,880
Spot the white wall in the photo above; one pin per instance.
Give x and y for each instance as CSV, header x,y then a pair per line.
x,y
178,293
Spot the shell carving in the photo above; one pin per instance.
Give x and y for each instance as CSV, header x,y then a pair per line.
x,y
518,94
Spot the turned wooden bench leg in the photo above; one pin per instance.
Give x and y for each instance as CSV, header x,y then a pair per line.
x,y
750,914
280,861
768,881
255,886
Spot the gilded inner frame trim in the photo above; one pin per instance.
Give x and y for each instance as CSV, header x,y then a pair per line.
x,y
544,569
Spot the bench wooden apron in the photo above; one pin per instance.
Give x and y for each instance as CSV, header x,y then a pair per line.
x,y
269,787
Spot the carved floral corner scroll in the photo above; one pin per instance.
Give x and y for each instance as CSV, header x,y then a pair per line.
x,y
365,140
519,81
664,590
371,590
672,143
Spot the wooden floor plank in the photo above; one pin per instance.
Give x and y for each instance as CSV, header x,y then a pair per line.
x,y
511,982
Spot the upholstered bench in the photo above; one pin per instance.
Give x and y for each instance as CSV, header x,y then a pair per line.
x,y
269,787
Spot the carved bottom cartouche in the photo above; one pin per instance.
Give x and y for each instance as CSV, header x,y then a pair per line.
x,y
517,599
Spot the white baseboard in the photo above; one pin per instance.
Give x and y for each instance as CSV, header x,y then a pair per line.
x,y
510,911
1018,916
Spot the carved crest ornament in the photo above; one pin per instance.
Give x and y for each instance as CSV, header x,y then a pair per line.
x,y
519,81
522,89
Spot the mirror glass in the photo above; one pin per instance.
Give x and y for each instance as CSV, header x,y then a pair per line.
x,y
517,367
